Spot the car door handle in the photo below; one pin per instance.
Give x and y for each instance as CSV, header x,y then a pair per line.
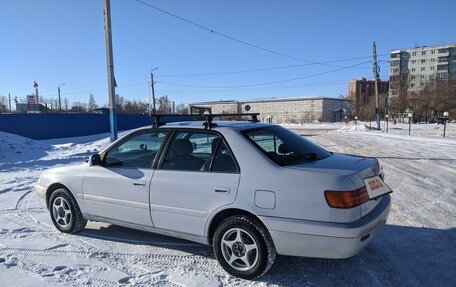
x,y
139,183
222,189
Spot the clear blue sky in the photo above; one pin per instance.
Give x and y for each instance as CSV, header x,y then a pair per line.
x,y
62,41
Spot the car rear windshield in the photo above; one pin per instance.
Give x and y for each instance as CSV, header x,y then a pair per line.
x,y
285,147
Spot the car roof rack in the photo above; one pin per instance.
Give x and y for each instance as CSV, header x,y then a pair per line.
x,y
208,118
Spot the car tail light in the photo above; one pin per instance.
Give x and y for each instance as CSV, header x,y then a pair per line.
x,y
346,199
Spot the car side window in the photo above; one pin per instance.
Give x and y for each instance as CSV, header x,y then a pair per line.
x,y
137,151
269,142
223,161
196,151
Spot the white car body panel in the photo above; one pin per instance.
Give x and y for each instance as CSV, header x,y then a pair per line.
x,y
193,197
124,199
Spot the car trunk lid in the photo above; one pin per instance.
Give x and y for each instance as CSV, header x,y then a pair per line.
x,y
357,168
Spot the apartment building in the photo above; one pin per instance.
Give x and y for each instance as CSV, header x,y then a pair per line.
x,y
412,70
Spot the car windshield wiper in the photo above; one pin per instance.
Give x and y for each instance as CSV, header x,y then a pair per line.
x,y
300,156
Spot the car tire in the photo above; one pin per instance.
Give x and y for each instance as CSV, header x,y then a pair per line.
x,y
243,247
65,212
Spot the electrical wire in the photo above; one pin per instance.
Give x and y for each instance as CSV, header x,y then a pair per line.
x,y
262,84
256,70
212,31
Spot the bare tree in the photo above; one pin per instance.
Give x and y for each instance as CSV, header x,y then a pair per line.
x,y
3,104
164,105
92,104
79,107
66,103
182,109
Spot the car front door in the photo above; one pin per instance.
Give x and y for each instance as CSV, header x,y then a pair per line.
x,y
196,175
118,189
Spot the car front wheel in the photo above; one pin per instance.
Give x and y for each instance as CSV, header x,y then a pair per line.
x,y
243,247
65,212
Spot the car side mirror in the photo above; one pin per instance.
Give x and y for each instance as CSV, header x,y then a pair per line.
x,y
95,159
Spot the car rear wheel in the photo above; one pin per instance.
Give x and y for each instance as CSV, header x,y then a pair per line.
x,y
65,212
243,247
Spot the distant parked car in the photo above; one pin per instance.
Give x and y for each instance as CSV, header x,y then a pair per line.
x,y
251,190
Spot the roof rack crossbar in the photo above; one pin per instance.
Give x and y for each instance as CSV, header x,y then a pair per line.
x,y
208,118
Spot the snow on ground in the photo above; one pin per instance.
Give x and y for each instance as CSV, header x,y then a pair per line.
x,y
416,130
416,248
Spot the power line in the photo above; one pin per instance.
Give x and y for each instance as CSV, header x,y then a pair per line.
x,y
261,88
267,83
212,31
257,70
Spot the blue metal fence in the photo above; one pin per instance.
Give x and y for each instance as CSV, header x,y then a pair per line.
x,y
50,126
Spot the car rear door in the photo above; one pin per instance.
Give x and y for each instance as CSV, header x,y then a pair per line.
x,y
196,175
119,188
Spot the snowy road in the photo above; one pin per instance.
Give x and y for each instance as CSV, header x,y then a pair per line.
x,y
416,248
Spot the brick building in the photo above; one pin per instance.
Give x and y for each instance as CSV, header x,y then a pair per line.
x,y
361,93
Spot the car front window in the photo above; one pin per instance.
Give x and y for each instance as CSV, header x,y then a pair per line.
x,y
137,151
285,147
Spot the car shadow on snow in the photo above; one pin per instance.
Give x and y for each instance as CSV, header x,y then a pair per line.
x,y
121,234
399,255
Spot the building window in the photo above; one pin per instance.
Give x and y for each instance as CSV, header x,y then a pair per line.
x,y
412,77
433,52
413,69
423,53
423,77
432,60
432,68
442,67
413,53
423,69
423,61
422,84
441,75
413,61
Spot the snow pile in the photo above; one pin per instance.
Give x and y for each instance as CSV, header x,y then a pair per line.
x,y
14,147
314,125
355,126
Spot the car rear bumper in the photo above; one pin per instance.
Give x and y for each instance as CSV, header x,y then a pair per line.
x,y
41,194
323,239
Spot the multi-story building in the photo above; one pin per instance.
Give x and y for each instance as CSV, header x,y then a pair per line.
x,y
281,110
362,91
412,70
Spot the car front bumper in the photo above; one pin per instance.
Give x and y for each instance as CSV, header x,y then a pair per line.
x,y
294,237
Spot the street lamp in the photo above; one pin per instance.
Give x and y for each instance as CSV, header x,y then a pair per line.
x,y
60,101
410,121
356,123
445,115
386,116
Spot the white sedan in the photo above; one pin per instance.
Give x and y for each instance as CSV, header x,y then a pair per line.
x,y
249,189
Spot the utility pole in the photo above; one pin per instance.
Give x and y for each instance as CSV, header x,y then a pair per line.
x,y
376,72
9,101
110,63
153,91
60,101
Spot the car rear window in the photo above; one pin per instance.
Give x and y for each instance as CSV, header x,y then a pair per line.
x,y
285,147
